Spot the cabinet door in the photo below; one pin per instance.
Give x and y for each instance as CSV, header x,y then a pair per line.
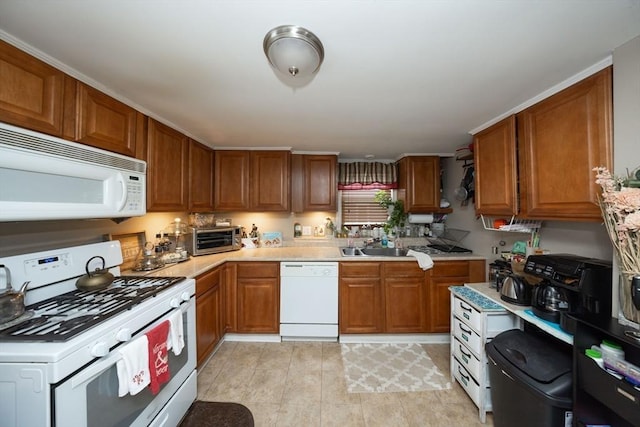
x,y
31,93
496,168
104,122
167,162
207,323
258,305
562,139
258,297
313,183
208,314
443,275
201,163
269,181
440,302
361,306
405,298
231,182
419,180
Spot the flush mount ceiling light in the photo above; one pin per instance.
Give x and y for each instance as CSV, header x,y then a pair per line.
x,y
293,51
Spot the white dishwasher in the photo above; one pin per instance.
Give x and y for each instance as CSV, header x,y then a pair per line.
x,y
309,300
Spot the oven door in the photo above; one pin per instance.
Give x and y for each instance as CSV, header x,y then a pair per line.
x,y
90,397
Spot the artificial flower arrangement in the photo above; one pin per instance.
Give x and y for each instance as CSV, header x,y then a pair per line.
x,y
620,205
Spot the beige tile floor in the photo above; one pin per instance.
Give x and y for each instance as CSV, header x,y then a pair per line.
x,y
302,384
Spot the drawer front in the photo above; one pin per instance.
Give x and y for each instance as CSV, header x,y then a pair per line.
x,y
258,269
470,315
402,269
467,336
450,269
359,269
206,281
466,381
468,360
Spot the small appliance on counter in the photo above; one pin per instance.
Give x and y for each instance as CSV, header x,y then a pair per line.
x,y
570,284
213,240
176,232
516,290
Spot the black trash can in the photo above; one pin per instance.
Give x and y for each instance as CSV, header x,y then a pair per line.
x,y
530,380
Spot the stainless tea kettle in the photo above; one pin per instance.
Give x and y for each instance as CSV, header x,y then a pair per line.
x,y
11,302
516,290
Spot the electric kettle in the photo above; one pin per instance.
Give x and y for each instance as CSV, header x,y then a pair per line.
x,y
516,290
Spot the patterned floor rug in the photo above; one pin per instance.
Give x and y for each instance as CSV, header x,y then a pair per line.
x,y
385,368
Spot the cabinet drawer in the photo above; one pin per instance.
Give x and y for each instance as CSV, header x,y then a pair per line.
x,y
466,381
359,269
450,269
467,336
620,396
207,280
468,314
402,269
468,360
258,269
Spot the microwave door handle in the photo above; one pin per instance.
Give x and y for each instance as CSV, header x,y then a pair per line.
x,y
123,186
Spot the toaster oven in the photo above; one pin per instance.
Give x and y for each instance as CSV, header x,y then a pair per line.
x,y
213,240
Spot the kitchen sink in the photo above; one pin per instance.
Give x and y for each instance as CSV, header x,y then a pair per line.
x,y
363,252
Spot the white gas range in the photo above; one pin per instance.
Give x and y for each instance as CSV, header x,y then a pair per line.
x,y
58,360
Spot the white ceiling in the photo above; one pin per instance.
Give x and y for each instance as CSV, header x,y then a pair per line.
x,y
398,77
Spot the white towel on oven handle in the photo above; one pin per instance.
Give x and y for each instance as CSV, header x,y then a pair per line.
x,y
175,339
133,367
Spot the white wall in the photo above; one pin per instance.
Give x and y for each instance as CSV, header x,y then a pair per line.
x,y
626,119
586,239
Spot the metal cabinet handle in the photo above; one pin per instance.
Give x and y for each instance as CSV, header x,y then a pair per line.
x,y
465,330
465,308
466,377
462,351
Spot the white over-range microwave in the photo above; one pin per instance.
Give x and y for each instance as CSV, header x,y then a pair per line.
x,y
46,178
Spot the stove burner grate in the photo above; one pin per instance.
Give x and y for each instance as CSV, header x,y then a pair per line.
x,y
62,317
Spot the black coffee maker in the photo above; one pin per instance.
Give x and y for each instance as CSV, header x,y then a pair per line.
x,y
570,284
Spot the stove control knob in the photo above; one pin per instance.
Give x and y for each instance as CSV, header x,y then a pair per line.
x,y
174,302
185,296
123,335
99,349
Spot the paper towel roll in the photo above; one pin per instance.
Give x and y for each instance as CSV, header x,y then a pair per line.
x,y
420,218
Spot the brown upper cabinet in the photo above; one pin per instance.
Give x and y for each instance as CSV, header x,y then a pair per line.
x,y
559,142
252,180
201,164
167,163
313,182
419,184
496,169
103,122
32,92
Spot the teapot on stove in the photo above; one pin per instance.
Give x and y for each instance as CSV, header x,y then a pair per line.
x,y
11,302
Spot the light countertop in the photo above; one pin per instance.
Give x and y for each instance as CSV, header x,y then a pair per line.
x,y
553,329
200,264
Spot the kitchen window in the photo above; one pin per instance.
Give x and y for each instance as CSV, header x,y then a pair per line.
x,y
358,207
358,183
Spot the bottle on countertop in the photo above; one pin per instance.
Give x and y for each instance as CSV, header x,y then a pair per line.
x,y
383,239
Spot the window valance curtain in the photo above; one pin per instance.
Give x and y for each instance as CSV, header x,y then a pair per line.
x,y
367,175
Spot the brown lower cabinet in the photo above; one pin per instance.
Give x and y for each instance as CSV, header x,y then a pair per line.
x,y
256,286
443,275
209,313
399,297
375,297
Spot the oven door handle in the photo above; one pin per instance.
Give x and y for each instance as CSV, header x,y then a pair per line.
x,y
95,370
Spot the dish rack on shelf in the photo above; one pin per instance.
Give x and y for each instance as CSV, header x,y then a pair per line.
x,y
449,240
514,225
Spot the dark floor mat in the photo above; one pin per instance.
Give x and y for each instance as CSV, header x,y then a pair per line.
x,y
219,414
